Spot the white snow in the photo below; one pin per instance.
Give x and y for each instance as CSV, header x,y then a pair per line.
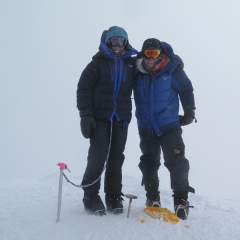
x,y
29,209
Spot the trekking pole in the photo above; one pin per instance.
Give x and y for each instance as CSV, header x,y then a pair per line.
x,y
62,166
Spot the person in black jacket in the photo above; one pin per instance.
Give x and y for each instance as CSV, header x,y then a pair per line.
x,y
105,107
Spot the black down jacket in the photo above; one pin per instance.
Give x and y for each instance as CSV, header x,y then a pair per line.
x,y
105,85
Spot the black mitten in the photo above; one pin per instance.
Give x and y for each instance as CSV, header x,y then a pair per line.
x,y
188,117
87,124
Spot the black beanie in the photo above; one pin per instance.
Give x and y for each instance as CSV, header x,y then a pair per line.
x,y
151,43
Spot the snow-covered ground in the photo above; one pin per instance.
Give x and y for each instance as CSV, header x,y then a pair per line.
x,y
28,210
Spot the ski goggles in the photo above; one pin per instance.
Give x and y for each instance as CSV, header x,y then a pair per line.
x,y
117,41
154,53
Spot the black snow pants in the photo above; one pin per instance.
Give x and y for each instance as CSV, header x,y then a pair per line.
x,y
173,150
97,155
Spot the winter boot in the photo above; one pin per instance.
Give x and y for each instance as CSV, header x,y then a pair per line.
x,y
114,203
152,194
153,203
93,204
181,207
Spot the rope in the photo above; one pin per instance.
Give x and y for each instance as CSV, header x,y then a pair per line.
x,y
104,167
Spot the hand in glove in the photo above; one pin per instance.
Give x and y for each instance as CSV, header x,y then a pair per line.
x,y
188,117
87,124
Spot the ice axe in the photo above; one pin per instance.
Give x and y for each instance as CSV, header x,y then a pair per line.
x,y
62,166
131,197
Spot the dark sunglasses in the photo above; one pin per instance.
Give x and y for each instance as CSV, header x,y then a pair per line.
x,y
117,41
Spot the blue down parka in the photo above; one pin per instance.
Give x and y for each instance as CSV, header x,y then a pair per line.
x,y
157,98
105,85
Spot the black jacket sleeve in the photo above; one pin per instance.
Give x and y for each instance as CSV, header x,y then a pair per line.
x,y
86,85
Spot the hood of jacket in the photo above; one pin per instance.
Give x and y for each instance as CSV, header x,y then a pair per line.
x,y
115,31
166,49
112,32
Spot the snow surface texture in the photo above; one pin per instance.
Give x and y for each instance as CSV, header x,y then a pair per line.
x,y
29,209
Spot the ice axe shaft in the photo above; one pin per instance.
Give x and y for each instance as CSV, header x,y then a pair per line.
x,y
131,197
129,207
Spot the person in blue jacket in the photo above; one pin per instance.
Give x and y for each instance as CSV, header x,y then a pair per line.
x,y
105,106
160,83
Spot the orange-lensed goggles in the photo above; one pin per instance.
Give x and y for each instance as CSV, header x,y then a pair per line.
x,y
154,53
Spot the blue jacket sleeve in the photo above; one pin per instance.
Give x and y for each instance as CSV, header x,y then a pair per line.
x,y
184,87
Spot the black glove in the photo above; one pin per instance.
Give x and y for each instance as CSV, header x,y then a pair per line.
x,y
87,124
188,117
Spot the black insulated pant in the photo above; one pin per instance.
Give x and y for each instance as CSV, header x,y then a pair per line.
x,y
173,148
97,155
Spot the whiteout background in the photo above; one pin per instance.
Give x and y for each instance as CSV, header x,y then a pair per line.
x,y
45,45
